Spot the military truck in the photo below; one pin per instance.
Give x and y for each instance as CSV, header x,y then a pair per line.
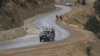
x,y
47,35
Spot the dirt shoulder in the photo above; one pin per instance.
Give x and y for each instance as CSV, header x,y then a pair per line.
x,y
67,47
30,28
75,45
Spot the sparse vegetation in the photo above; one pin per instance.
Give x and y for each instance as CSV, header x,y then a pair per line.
x,y
2,2
78,1
13,12
93,25
98,35
83,2
88,50
97,6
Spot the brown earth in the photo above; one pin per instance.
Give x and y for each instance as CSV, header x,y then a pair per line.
x,y
73,46
78,18
13,12
76,45
15,15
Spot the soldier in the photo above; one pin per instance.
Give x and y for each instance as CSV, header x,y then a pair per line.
x,y
46,29
57,16
61,18
53,31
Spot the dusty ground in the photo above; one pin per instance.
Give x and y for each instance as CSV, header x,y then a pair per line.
x,y
77,18
30,28
69,47
74,46
27,28
96,48
13,13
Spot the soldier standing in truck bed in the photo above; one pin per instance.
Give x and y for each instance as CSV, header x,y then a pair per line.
x,y
53,31
57,16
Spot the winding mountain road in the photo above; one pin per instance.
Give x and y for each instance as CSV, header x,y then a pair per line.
x,y
42,21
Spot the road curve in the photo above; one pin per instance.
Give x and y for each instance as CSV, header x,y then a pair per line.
x,y
44,20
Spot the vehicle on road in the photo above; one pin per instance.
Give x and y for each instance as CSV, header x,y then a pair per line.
x,y
47,35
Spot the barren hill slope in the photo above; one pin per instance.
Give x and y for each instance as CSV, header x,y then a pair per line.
x,y
13,12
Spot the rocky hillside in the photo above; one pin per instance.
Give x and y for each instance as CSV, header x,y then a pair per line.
x,y
97,10
13,12
86,17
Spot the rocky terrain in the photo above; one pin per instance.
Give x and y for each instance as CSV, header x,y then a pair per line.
x,y
14,12
86,17
83,22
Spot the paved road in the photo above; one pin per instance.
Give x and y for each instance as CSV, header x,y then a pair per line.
x,y
44,20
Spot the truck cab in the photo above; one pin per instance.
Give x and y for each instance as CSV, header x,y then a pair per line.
x,y
47,35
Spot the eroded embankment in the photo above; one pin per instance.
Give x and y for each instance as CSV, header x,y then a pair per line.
x,y
74,46
14,12
85,18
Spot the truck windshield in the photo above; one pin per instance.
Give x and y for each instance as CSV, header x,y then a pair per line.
x,y
46,32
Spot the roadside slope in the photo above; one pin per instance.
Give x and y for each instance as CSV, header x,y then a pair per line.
x,y
73,46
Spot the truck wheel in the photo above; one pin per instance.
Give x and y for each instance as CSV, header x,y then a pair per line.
x,y
40,40
48,39
52,39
